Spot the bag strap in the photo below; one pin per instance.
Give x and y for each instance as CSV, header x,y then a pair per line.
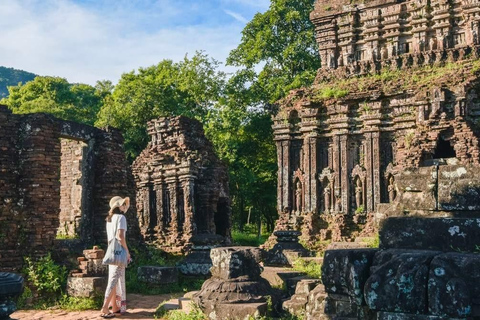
x,y
116,229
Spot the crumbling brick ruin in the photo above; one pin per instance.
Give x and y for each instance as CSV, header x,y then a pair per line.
x,y
182,187
398,89
56,180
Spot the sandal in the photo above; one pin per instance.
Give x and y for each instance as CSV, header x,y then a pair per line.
x,y
107,315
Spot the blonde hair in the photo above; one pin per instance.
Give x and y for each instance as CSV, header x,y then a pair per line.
x,y
113,211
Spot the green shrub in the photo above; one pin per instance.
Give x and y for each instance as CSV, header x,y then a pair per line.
x,y
360,210
46,276
329,92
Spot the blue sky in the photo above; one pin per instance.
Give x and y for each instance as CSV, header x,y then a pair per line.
x,y
87,40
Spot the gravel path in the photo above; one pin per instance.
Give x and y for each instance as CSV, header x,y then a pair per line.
x,y
139,307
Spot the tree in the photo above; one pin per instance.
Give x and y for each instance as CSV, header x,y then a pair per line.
x,y
243,138
76,102
190,88
283,40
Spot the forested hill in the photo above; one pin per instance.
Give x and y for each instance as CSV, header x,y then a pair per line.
x,y
11,77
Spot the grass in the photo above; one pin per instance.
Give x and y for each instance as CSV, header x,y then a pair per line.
x,y
80,304
311,268
248,239
194,314
374,242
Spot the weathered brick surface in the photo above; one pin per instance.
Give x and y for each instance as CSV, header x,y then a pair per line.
x,y
32,211
182,187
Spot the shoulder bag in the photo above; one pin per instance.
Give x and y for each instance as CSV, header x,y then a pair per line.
x,y
116,253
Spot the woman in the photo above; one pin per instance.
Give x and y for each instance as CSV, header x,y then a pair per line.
x,y
115,295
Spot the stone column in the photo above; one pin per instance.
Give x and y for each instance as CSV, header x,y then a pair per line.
x,y
172,188
313,175
337,168
146,208
344,176
286,197
376,169
189,206
159,204
369,169
306,167
280,173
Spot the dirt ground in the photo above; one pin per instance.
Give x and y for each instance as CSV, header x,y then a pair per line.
x,y
138,307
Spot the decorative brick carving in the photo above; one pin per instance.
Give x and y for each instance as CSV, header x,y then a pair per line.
x,y
182,187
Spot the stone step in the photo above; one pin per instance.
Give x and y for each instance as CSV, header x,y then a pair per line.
x,y
277,276
171,304
318,260
291,283
185,304
347,245
231,311
365,239
190,294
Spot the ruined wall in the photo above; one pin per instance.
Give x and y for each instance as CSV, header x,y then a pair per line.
x,y
182,187
343,143
71,191
30,185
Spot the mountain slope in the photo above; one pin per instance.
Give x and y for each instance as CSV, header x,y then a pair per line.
x,y
11,77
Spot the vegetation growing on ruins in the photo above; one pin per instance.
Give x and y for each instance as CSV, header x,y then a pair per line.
x,y
311,268
393,81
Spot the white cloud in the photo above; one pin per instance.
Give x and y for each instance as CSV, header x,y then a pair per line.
x,y
64,39
236,16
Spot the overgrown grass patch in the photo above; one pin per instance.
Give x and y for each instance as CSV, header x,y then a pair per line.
x,y
311,268
248,239
392,81
195,314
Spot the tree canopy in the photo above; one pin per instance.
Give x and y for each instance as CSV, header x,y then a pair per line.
x,y
76,102
282,40
190,87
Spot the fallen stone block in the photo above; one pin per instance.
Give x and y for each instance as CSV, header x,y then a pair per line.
x,y
296,305
346,271
416,234
11,286
86,287
157,275
238,311
398,281
452,285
